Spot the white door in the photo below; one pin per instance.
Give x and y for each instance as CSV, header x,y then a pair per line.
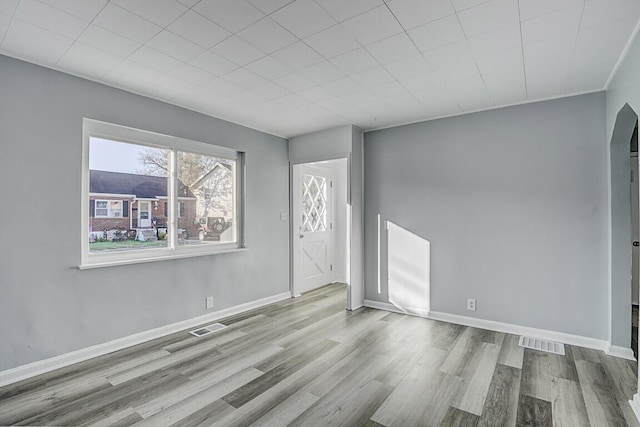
x,y
635,234
312,227
144,214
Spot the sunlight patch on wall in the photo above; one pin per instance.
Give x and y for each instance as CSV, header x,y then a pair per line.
x,y
409,268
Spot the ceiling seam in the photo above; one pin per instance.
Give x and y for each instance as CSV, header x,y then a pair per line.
x,y
13,14
423,57
81,33
623,55
475,62
524,68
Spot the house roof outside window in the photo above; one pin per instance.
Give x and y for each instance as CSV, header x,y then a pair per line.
x,y
141,186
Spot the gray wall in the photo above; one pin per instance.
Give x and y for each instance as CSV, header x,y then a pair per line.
x,y
323,145
514,203
623,90
49,307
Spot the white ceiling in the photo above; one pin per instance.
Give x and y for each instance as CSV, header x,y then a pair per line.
x,y
290,67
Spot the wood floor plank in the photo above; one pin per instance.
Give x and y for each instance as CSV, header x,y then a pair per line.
x,y
198,383
581,353
349,406
328,327
599,395
544,377
101,404
258,386
477,379
241,348
20,407
629,416
501,404
228,363
391,317
462,351
459,418
353,325
191,404
364,354
203,416
253,410
287,411
93,367
424,395
124,418
511,354
534,412
371,423
33,401
623,374
307,361
191,354
569,407
448,336
540,370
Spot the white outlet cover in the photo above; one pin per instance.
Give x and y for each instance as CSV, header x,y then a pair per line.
x,y
209,302
471,304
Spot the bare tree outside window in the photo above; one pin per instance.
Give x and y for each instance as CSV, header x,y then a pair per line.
x,y
210,179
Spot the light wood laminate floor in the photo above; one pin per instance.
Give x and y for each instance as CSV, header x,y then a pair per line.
x,y
308,362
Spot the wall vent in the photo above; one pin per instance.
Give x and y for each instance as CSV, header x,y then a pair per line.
x,y
206,330
542,345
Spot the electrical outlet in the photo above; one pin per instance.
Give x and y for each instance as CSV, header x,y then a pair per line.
x,y
471,304
209,302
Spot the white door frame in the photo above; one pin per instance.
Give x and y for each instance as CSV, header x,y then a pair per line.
x,y
292,231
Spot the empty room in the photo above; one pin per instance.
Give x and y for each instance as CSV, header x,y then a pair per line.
x,y
319,212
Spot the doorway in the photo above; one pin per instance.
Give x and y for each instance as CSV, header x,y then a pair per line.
x,y
320,225
144,217
621,243
635,240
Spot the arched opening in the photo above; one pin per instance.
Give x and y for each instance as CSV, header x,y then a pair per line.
x,y
621,231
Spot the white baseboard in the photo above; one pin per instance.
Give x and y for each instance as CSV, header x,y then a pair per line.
x,y
509,328
622,352
390,307
635,405
382,306
47,365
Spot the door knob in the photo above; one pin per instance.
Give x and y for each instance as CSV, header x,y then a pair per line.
x,y
636,243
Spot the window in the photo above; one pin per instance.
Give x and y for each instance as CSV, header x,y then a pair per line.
x,y
108,208
102,208
153,196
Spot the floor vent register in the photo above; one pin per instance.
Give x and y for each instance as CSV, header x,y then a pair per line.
x,y
542,345
206,330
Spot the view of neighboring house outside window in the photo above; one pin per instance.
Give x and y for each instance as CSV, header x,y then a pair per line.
x,y
129,195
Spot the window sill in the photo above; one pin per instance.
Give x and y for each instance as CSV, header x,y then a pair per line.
x,y
100,264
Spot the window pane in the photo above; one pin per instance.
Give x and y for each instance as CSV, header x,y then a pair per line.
x,y
314,200
128,188
206,193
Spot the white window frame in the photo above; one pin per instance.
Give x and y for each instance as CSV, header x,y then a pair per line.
x,y
109,210
97,129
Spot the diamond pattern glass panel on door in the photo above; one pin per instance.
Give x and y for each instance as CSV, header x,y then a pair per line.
x,y
314,202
